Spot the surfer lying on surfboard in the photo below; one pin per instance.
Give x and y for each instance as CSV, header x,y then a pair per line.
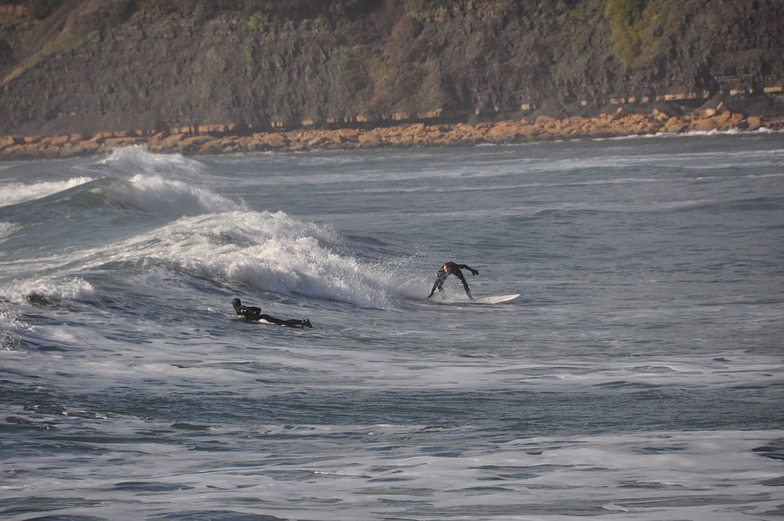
x,y
450,268
254,313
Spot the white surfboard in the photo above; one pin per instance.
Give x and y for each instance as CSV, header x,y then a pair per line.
x,y
497,299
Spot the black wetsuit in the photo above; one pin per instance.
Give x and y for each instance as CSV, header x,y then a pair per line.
x,y
254,313
452,268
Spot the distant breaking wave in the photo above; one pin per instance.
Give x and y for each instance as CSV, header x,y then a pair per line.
x,y
148,193
165,184
157,195
137,159
270,252
15,193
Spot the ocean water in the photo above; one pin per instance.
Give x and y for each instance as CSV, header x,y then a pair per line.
x,y
638,376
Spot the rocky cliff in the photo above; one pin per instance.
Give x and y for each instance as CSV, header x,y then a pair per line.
x,y
90,66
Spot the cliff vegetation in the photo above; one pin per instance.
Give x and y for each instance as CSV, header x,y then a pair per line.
x,y
92,66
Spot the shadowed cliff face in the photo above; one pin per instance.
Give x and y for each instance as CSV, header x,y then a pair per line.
x,y
95,65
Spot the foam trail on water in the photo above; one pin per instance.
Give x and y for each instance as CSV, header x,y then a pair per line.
x,y
16,296
10,326
7,229
55,288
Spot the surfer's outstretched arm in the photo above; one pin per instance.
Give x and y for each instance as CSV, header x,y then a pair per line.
x,y
459,275
469,268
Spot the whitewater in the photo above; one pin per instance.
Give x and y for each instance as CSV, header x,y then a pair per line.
x,y
638,376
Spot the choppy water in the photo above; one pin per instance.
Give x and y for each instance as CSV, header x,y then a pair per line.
x,y
638,377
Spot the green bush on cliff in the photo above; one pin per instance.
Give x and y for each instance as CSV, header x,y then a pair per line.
x,y
627,21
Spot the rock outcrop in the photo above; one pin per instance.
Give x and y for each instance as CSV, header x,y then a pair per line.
x,y
209,140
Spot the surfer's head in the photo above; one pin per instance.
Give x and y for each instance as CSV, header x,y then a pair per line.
x,y
445,268
237,303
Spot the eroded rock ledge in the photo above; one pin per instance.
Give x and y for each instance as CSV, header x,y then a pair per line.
x,y
223,139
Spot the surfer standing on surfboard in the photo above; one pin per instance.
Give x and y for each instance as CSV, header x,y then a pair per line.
x,y
254,313
450,268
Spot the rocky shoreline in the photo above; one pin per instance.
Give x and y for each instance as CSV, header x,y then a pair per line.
x,y
223,139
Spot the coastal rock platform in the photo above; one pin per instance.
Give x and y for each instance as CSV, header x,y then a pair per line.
x,y
222,139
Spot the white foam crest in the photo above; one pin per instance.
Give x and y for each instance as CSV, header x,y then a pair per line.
x,y
306,267
73,288
166,184
15,193
271,252
287,256
154,194
137,159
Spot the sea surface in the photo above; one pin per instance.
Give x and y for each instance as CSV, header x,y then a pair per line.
x,y
638,376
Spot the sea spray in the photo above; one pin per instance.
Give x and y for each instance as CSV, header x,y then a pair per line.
x,y
269,252
138,160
